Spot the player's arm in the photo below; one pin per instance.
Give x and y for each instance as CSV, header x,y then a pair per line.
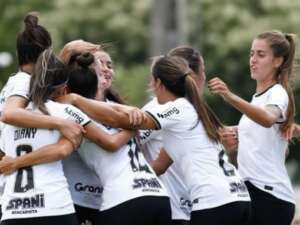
x,y
109,142
265,116
45,154
162,163
14,113
112,114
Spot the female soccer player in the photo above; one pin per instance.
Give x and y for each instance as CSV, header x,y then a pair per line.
x,y
261,148
190,138
30,43
48,81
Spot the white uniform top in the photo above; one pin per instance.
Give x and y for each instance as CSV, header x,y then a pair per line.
x,y
172,178
124,174
210,179
40,190
261,151
83,182
17,84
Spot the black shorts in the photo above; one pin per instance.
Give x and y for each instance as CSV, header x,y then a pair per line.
x,y
267,209
147,210
87,215
69,219
180,222
235,213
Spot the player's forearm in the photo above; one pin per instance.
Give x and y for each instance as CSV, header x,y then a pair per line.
x,y
24,118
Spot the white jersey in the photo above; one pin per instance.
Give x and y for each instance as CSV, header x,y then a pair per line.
x,y
261,151
17,84
151,141
41,190
210,179
83,182
124,174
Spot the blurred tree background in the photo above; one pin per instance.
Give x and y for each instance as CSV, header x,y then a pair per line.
x,y
221,29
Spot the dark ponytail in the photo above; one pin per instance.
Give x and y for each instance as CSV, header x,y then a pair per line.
x,y
32,41
174,73
193,57
83,78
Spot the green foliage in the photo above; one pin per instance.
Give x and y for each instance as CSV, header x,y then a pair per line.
x,y
133,83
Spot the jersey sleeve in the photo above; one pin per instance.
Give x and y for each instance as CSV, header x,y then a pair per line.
x,y
68,112
20,86
165,115
279,97
76,115
147,135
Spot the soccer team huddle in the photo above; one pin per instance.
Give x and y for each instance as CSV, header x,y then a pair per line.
x,y
74,153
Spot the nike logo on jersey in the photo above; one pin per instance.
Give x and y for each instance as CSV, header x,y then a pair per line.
x,y
36,201
172,111
25,133
75,115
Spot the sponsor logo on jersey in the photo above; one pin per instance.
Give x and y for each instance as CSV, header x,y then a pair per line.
x,y
172,111
23,133
75,115
239,187
87,222
147,184
185,203
88,188
145,134
37,201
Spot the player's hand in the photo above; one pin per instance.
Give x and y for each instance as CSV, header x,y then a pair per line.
x,y
77,47
217,86
291,131
7,165
72,131
136,116
229,137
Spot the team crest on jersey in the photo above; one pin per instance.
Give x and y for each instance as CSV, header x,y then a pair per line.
x,y
75,115
26,205
170,112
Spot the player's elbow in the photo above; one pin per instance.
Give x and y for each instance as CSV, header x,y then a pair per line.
x,y
8,116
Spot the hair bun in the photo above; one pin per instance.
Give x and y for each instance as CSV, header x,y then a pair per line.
x,y
31,20
85,59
